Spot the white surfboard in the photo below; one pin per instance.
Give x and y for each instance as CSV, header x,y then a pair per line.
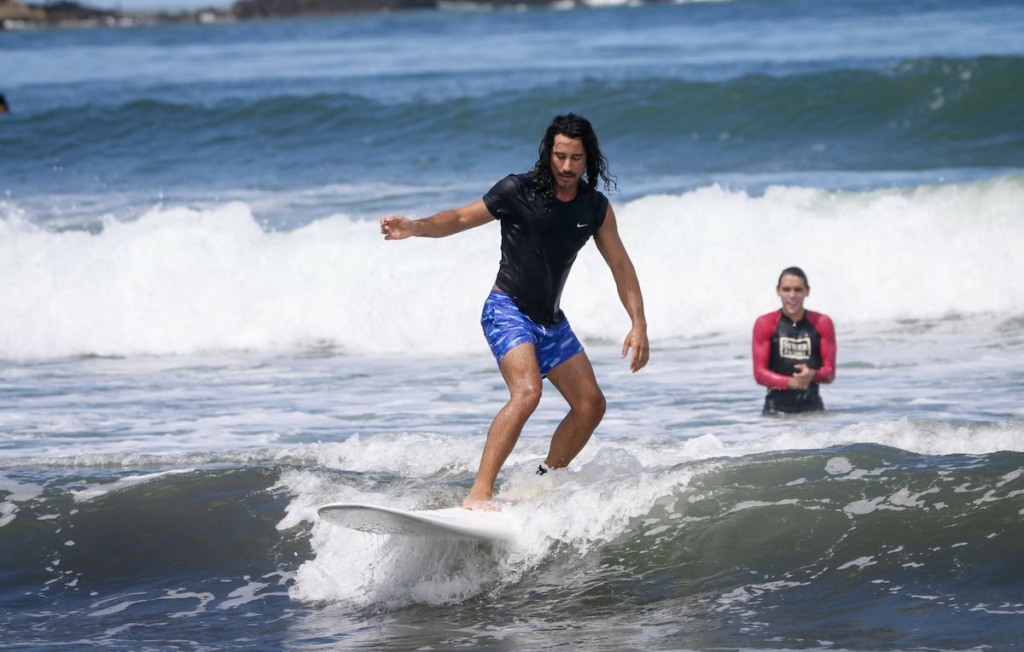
x,y
453,523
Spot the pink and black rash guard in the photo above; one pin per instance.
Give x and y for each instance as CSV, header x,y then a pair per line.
x,y
780,344
539,247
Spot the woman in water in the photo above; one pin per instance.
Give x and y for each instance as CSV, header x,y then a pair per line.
x,y
794,349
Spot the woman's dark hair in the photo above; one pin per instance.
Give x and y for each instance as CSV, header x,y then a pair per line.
x,y
793,271
572,126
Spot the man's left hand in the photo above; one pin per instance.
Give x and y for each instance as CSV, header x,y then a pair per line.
x,y
637,341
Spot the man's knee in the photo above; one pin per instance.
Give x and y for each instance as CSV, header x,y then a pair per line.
x,y
593,405
526,395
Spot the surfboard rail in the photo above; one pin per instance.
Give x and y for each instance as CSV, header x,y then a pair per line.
x,y
450,523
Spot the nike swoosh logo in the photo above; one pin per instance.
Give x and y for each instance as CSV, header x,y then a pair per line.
x,y
580,226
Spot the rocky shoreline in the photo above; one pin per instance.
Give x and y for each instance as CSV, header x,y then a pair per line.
x,y
15,14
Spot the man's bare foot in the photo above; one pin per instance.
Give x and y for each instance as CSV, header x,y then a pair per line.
x,y
481,505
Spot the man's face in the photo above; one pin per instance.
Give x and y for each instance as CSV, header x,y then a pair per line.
x,y
792,290
568,161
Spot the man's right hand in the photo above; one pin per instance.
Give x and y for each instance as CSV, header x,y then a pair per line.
x,y
396,227
801,379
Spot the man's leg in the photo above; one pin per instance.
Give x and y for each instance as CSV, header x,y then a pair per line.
x,y
522,375
575,379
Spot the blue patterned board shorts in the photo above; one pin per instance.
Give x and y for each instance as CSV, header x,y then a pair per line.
x,y
505,327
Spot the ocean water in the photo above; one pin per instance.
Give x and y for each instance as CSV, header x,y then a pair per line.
x,y
204,336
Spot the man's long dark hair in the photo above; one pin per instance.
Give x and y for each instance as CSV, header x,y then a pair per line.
x,y
572,126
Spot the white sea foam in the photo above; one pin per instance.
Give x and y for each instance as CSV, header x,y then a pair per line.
x,y
606,493
96,491
15,492
608,487
180,280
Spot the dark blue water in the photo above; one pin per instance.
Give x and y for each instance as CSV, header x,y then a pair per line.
x,y
858,93
203,338
861,547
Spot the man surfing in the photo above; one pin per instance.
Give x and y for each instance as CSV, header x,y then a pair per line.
x,y
546,217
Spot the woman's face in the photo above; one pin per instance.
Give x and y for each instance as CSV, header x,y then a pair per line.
x,y
792,290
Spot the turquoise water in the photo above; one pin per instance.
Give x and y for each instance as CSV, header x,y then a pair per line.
x,y
204,336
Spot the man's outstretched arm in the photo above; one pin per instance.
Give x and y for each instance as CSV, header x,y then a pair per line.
x,y
439,225
628,285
